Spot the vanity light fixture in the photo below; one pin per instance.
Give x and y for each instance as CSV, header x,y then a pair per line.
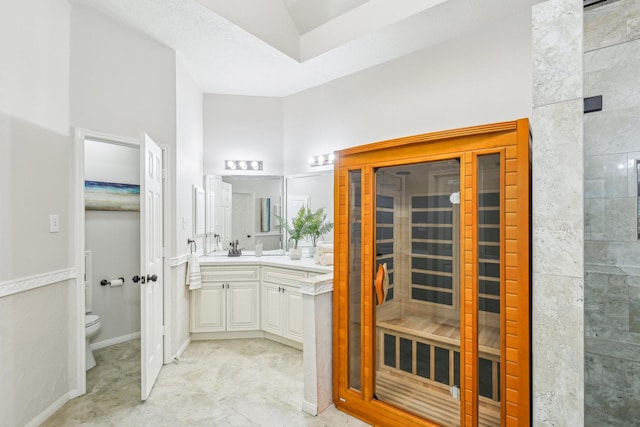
x,y
322,160
244,165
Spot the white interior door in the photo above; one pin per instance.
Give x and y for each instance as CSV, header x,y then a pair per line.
x,y
243,214
151,278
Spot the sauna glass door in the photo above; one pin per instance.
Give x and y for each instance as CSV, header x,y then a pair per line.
x,y
418,289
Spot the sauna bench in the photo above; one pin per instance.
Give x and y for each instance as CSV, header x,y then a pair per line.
x,y
442,330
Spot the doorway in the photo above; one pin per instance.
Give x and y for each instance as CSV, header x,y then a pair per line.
x,y
120,248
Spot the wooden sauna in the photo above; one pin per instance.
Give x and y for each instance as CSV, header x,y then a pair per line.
x,y
432,280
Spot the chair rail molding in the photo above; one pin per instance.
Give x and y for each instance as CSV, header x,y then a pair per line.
x,y
11,287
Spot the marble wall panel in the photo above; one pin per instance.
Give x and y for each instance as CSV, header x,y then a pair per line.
x,y
632,175
609,171
558,369
615,56
606,301
611,131
614,348
611,24
594,224
614,398
612,253
619,86
557,199
611,219
634,305
557,41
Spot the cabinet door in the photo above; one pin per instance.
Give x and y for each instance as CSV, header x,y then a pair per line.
x,y
272,308
208,308
242,306
292,327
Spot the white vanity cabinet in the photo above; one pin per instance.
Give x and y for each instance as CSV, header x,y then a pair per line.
x,y
282,302
229,299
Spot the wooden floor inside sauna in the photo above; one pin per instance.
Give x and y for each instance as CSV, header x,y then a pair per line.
x,y
434,404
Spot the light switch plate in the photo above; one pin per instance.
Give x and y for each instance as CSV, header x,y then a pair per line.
x,y
54,223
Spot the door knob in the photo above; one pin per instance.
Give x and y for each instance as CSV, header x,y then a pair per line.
x,y
152,278
137,278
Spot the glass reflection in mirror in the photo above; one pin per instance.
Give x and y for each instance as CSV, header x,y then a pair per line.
x,y
314,190
239,213
417,288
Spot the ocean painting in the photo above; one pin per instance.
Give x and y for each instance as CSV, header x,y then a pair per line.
x,y
111,196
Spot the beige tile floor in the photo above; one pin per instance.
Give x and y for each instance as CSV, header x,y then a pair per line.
x,y
253,382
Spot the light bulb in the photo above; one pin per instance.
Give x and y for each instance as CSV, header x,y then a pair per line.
x,y
231,164
243,165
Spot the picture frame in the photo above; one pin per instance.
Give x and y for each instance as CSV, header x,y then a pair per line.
x,y
111,196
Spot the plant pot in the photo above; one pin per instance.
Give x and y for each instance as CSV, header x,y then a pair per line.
x,y
312,251
295,253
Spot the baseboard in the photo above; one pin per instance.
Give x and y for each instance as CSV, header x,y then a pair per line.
x,y
44,415
116,340
309,408
199,336
181,350
282,340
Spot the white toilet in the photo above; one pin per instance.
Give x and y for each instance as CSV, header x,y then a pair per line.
x,y
92,325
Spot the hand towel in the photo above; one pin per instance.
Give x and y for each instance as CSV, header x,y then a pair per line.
x,y
193,273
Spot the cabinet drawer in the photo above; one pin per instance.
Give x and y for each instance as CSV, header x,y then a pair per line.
x,y
283,276
229,273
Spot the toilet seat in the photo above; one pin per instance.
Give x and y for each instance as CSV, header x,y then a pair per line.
x,y
91,319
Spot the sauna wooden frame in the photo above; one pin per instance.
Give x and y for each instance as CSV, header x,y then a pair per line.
x,y
511,140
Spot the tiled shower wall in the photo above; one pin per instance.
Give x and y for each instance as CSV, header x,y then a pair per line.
x,y
612,250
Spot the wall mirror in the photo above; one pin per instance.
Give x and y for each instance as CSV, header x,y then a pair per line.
x,y
314,190
244,210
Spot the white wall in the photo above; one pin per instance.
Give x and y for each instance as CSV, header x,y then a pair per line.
x,y
189,160
122,83
113,237
36,159
482,78
243,128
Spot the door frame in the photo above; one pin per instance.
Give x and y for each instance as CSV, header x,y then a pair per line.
x,y
77,340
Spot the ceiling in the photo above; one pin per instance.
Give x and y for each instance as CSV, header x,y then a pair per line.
x,y
280,47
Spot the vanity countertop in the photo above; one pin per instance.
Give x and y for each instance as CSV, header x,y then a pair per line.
x,y
284,261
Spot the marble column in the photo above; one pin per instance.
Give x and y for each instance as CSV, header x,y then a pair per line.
x,y
557,214
317,309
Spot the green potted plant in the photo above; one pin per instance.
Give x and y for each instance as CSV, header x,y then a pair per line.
x,y
318,226
298,229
